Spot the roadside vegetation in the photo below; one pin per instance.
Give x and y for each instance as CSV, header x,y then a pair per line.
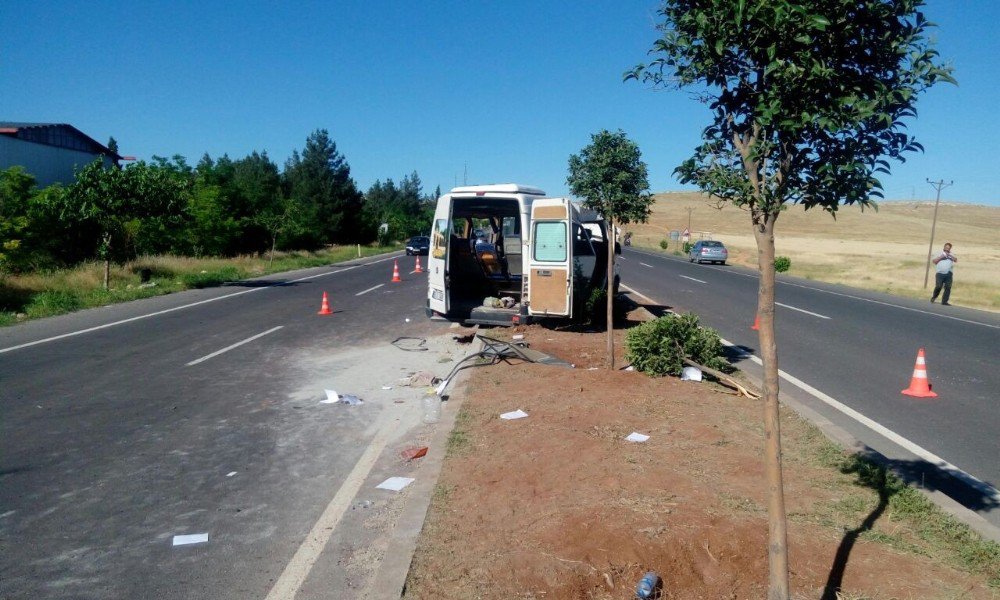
x,y
45,294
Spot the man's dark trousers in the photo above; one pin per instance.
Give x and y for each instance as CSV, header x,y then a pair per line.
x,y
942,280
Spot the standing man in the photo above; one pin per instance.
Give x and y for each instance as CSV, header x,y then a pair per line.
x,y
942,279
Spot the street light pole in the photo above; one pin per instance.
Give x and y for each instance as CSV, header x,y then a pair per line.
x,y
938,185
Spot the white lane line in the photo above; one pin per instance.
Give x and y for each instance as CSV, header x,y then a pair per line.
x,y
980,485
236,345
800,310
691,278
176,308
296,571
983,487
371,289
645,265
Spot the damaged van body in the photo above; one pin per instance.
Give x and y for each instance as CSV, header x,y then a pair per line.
x,y
503,254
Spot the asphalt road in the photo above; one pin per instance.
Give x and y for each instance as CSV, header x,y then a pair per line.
x,y
859,348
123,426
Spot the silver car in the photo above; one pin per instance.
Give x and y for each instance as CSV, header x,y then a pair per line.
x,y
708,251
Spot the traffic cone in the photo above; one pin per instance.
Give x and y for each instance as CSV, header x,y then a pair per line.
x,y
324,309
919,385
756,323
418,269
395,271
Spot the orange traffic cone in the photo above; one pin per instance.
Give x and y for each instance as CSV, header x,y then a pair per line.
x,y
395,271
756,323
919,385
324,309
418,269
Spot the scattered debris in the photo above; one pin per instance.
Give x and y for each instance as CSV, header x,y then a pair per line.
x,y
517,337
406,320
517,414
331,397
351,400
194,538
419,379
414,452
395,484
691,374
630,368
410,344
230,474
386,387
637,437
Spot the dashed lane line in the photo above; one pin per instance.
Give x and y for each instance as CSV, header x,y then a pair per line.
x,y
801,310
371,289
236,345
182,307
645,265
692,279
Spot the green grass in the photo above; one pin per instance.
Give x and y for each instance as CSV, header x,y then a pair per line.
x,y
45,294
458,439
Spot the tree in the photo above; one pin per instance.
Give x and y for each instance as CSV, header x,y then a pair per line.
x,y
610,176
808,102
116,199
319,181
15,194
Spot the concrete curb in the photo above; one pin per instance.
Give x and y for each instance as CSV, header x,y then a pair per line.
x,y
390,579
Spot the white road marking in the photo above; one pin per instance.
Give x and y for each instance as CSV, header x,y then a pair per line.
x,y
645,265
692,279
802,310
296,571
176,308
371,289
978,484
236,345
983,487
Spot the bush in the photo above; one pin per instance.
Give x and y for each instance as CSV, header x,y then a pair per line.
x,y
687,247
664,243
659,347
210,278
782,264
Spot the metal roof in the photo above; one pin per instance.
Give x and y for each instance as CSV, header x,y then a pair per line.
x,y
11,128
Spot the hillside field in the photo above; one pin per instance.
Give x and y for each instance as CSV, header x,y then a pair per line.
x,y
883,250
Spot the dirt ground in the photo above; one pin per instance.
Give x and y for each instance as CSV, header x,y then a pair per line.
x,y
559,506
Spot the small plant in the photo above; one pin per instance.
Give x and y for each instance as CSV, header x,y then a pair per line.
x,y
659,347
687,247
663,244
782,264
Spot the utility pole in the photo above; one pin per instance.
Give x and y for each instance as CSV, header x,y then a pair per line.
x,y
690,208
938,185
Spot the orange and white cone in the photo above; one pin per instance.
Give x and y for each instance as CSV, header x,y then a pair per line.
x,y
756,323
418,269
919,384
395,271
324,309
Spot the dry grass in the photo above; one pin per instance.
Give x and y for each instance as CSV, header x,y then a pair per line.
x,y
883,250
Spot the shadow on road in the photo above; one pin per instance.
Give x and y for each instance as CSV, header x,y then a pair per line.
x,y
258,283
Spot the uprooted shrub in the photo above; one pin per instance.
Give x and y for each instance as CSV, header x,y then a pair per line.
x,y
659,347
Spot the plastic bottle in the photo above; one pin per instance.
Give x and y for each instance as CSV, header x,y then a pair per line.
x,y
649,586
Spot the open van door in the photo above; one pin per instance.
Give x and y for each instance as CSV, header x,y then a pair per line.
x,y
550,274
437,258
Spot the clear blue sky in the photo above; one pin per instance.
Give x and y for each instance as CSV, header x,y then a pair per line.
x,y
507,89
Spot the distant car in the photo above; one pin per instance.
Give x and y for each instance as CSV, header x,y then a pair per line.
x,y
708,251
420,244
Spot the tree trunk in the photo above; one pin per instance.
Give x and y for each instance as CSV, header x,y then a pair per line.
x,y
274,242
107,273
611,297
777,524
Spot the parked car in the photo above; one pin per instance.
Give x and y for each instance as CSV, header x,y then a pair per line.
x,y
708,251
420,244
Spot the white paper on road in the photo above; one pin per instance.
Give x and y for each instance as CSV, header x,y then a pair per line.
x,y
230,474
691,374
395,483
517,414
637,437
386,387
194,538
331,397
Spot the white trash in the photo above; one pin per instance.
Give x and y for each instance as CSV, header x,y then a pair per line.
x,y
691,374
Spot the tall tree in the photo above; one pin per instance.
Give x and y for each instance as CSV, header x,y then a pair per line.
x,y
808,100
319,180
15,194
611,177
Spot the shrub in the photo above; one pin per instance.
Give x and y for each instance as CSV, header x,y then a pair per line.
x,y
687,247
659,347
210,278
664,243
782,264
